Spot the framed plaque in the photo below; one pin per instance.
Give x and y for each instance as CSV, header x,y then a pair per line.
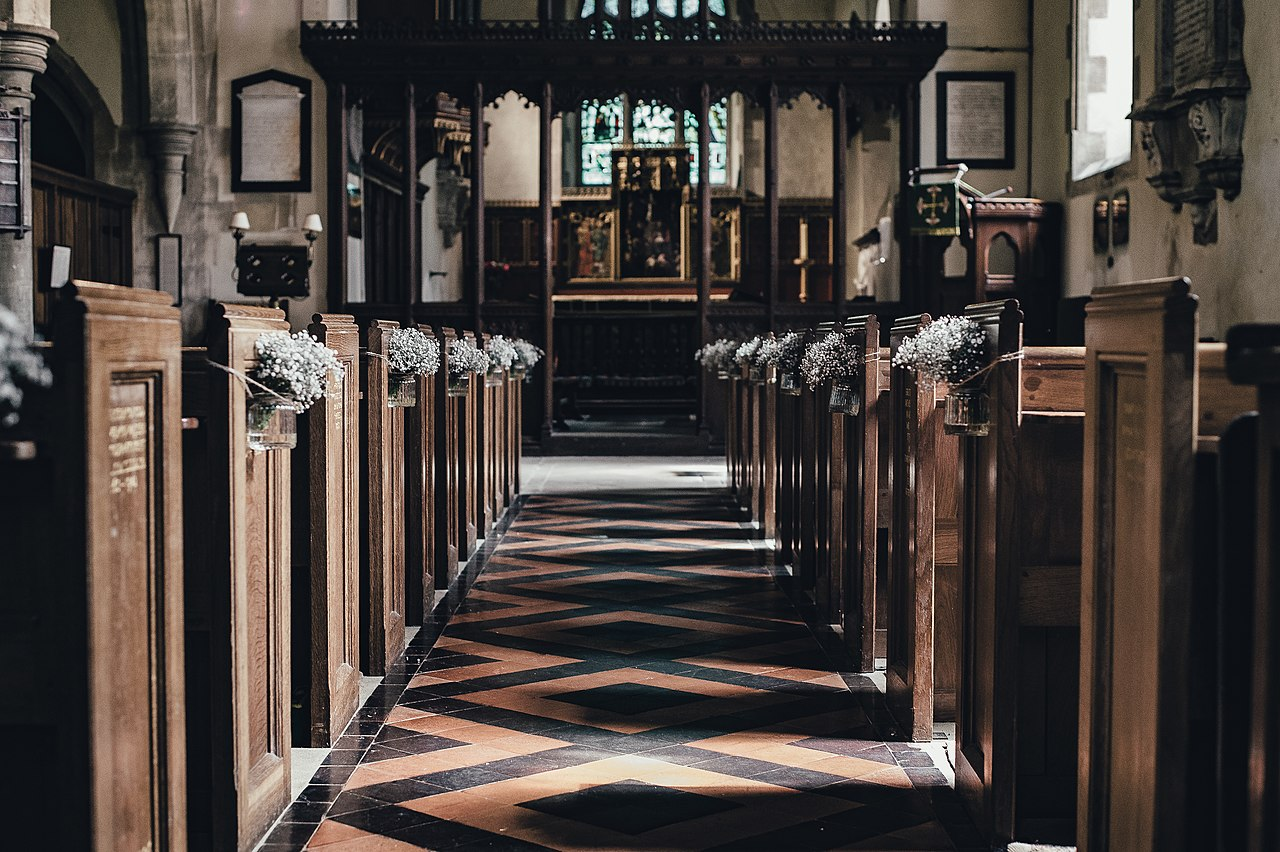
x,y
169,265
271,133
975,119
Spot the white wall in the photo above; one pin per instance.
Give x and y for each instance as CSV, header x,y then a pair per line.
x,y
89,31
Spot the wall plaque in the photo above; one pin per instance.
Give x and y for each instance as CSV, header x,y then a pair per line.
x,y
975,119
271,133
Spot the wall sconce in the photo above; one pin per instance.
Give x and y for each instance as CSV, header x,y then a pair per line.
x,y
275,271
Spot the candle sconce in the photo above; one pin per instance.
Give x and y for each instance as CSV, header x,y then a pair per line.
x,y
274,271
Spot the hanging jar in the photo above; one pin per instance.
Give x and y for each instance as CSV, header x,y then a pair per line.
x,y
845,397
789,383
272,422
459,385
967,411
402,390
493,377
519,371
756,374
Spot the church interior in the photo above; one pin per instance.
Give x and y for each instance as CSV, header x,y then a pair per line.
x,y
640,424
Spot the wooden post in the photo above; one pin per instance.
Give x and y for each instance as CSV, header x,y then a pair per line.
x,y
547,249
839,206
477,202
336,239
91,520
237,506
331,493
445,457
772,211
704,236
412,231
467,482
421,555
382,571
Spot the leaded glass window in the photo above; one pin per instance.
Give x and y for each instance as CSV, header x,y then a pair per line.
x,y
719,119
601,130
653,124
689,8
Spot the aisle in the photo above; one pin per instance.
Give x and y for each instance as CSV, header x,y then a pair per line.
x,y
624,675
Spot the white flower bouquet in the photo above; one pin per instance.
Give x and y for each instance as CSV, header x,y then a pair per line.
x,y
465,358
745,358
20,365
718,356
412,352
294,369
784,355
529,355
501,356
830,358
949,349
953,350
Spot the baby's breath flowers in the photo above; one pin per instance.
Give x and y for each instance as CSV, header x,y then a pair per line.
x,y
20,365
411,352
465,358
784,353
949,349
717,356
746,352
833,357
501,352
528,354
295,366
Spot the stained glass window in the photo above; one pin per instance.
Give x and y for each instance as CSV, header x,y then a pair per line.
x,y
719,120
653,124
688,8
601,130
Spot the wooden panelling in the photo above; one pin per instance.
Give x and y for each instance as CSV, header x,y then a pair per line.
x,y
468,482
448,508
860,484
421,554
327,487
382,555
91,519
237,509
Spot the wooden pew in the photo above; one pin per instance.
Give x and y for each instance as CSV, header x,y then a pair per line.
x,y
91,519
751,443
1020,490
787,414
856,493
236,505
765,509
468,467
382,551
731,436
326,549
815,424
515,434
421,558
501,395
923,575
484,405
449,530
1156,400
1249,789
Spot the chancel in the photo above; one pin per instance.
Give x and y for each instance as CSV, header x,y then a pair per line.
x,y
640,424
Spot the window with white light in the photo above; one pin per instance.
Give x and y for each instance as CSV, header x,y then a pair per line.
x,y
1101,137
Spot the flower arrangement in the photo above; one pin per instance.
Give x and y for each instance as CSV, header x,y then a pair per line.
x,y
528,354
502,352
832,357
746,352
465,358
297,367
411,352
20,364
717,356
949,349
784,353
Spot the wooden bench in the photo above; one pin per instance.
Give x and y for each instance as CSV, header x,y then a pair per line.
x,y
923,575
325,547
855,480
236,506
468,467
765,509
1249,632
421,554
450,529
1019,549
815,424
485,400
1156,402
382,554
91,519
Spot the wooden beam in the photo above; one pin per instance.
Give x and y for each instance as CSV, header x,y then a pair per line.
x,y
839,207
477,202
704,234
336,239
409,187
546,248
771,200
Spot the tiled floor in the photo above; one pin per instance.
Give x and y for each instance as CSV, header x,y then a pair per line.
x,y
624,675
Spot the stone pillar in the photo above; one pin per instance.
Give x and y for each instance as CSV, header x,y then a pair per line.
x,y
169,143
23,49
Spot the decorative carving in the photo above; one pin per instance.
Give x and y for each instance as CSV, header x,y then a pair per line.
x,y
169,144
453,200
1156,135
1217,122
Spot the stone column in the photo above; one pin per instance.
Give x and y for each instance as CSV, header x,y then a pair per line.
x,y
23,49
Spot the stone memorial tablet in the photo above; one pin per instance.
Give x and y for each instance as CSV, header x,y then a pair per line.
x,y
271,133
975,119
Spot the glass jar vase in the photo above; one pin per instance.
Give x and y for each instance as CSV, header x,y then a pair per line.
x,y
402,390
519,371
459,385
789,383
756,374
272,423
493,377
845,397
967,411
